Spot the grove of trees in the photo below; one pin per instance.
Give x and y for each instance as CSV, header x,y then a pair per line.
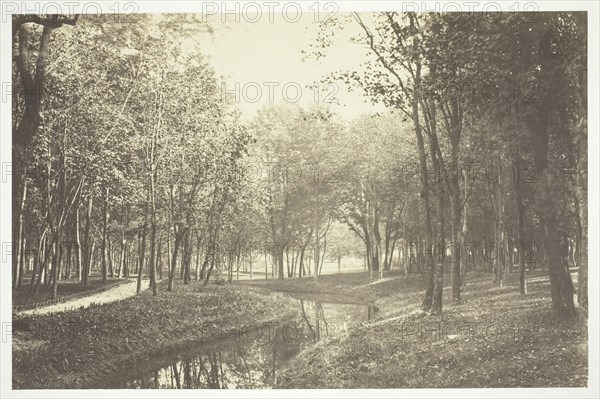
x,y
130,160
499,113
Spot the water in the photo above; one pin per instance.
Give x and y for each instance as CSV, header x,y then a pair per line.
x,y
248,359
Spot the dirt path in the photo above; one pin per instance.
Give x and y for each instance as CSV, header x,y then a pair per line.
x,y
122,291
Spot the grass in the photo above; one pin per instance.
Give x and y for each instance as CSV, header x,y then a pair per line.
x,y
74,349
22,298
353,288
495,338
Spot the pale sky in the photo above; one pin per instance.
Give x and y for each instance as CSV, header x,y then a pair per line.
x,y
265,61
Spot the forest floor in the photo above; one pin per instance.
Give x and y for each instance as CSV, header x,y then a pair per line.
x,y
72,349
494,338
21,296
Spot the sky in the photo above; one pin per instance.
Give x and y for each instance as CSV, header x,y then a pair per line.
x,y
262,63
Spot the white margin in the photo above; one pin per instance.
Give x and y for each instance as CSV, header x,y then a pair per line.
x,y
112,6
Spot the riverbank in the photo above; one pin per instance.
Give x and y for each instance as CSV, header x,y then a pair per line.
x,y
391,294
73,349
495,338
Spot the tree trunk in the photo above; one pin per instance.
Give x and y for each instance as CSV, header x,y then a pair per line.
x,y
152,265
22,260
280,252
287,261
436,306
561,284
87,259
78,250
123,255
520,233
32,85
187,256
266,265
456,245
537,120
174,260
250,262
37,261
92,259
198,253
69,256
17,268
53,271
104,235
301,265
428,298
169,251
43,264
581,256
111,269
142,255
159,256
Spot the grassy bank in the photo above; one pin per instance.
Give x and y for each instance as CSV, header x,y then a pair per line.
x,y
495,338
354,288
73,349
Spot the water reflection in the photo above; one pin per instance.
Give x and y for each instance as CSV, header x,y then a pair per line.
x,y
248,359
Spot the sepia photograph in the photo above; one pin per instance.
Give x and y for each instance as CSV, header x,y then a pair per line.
x,y
383,197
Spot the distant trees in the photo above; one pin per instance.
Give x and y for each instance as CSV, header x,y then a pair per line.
x,y
318,174
293,152
375,185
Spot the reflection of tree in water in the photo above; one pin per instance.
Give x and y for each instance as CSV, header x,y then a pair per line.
x,y
246,364
202,371
323,326
320,320
251,361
